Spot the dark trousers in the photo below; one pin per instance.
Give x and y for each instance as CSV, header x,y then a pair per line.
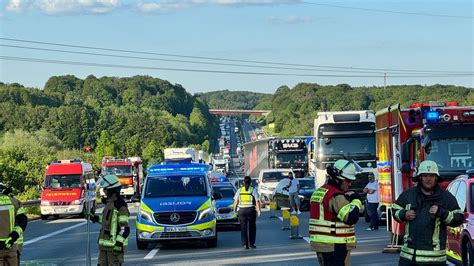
x,y
336,258
248,226
374,216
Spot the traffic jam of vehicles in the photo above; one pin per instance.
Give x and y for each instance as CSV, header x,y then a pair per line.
x,y
190,195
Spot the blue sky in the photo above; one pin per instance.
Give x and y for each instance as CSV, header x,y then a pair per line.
x,y
285,31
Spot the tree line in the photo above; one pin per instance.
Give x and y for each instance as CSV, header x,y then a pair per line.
x,y
136,116
294,110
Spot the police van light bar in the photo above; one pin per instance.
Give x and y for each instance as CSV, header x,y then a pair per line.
x,y
173,170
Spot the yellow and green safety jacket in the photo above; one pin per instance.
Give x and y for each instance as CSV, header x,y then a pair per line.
x,y
425,236
12,219
246,198
115,227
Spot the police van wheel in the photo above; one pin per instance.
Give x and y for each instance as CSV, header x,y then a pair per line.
x,y
44,217
142,244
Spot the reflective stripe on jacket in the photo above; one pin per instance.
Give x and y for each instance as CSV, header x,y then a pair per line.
x,y
325,226
9,209
112,219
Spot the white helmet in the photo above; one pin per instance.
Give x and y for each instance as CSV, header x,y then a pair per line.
x,y
427,167
343,169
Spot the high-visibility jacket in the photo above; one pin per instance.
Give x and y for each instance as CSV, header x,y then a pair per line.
x,y
114,216
425,236
246,198
328,224
10,208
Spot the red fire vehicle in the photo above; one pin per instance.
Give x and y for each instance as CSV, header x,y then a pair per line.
x,y
129,171
442,132
64,188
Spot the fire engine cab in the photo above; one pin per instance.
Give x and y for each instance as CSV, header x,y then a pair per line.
x,y
441,132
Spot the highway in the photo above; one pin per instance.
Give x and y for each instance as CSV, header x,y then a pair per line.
x,y
63,242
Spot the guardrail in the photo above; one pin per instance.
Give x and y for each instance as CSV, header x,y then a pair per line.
x,y
31,203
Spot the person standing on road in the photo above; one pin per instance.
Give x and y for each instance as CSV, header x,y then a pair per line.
x,y
248,203
372,189
13,222
294,194
333,213
427,210
113,236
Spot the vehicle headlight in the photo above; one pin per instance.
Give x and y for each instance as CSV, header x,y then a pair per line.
x,y
147,216
77,202
205,213
45,203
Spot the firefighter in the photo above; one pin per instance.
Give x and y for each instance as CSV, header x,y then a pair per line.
x,y
13,223
427,210
333,213
113,237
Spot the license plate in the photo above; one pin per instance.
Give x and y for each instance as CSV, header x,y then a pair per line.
x,y
175,229
60,210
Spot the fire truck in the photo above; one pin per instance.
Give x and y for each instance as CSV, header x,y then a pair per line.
x,y
65,188
441,132
129,171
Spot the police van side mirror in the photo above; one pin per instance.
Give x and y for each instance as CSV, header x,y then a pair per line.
x,y
135,198
217,196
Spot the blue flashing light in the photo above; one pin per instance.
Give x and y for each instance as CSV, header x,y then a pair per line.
x,y
432,116
174,169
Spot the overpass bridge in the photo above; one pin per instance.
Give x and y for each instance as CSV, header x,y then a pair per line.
x,y
238,112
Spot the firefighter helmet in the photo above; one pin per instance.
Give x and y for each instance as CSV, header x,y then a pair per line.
x,y
343,169
427,167
109,182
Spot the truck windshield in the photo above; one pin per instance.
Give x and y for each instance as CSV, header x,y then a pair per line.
x,y
452,154
356,148
292,157
119,170
62,181
175,186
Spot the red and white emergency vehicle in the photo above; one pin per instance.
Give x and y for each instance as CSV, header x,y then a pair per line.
x,y
129,171
65,188
441,132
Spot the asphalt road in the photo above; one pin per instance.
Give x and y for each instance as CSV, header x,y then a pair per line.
x,y
63,242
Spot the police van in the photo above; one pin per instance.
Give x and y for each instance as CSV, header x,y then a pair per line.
x,y
177,203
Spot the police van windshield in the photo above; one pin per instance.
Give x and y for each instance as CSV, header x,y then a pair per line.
x,y
452,154
119,170
62,181
175,186
226,191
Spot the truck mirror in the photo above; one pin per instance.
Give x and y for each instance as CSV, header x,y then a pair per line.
x,y
405,152
405,169
327,141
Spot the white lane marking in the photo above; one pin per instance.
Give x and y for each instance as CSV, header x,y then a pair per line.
x,y
306,239
53,234
152,253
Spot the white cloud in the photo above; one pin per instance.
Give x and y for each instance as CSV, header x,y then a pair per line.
x,y
65,7
165,6
18,5
291,19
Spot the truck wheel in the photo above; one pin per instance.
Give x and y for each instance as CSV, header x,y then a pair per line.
x,y
141,244
468,254
44,217
212,243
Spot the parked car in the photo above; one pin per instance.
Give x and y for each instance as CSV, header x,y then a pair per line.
x,y
281,195
461,239
225,210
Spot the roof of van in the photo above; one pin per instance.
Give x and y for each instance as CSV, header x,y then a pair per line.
x,y
276,170
67,168
177,169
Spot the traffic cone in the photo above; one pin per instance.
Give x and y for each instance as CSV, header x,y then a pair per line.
x,y
286,219
295,227
273,210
